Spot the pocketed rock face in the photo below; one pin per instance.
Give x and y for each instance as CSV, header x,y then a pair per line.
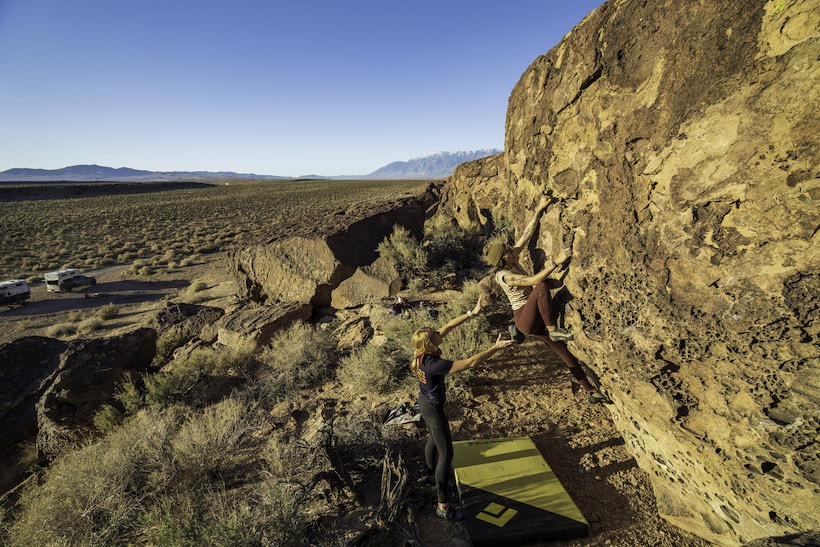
x,y
308,269
682,139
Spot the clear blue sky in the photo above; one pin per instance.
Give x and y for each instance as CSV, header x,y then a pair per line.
x,y
327,87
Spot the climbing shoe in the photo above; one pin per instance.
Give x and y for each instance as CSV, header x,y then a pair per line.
x,y
516,334
450,514
597,397
561,335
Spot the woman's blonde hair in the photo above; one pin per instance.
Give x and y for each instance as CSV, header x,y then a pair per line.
x,y
422,343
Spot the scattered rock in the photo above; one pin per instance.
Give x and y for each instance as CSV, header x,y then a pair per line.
x,y
353,333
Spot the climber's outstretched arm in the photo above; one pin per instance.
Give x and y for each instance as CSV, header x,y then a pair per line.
x,y
529,230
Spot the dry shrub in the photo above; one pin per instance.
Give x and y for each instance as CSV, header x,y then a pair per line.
x,y
75,316
90,325
159,479
61,330
107,312
271,517
205,442
373,368
236,361
92,496
406,254
197,286
299,357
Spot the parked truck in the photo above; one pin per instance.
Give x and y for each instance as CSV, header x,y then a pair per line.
x,y
14,291
65,280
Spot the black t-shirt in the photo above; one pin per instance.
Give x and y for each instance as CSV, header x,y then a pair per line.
x,y
431,377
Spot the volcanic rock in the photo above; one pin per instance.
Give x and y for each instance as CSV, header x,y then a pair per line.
x,y
88,375
309,269
253,327
368,284
682,139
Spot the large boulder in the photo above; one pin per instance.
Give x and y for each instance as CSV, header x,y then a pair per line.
x,y
308,268
87,377
683,139
368,284
187,320
26,368
254,326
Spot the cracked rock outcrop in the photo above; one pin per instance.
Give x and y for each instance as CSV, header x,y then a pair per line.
x,y
309,269
682,139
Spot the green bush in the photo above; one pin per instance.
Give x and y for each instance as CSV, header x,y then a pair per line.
x,y
405,253
168,387
501,224
107,418
131,398
453,252
167,342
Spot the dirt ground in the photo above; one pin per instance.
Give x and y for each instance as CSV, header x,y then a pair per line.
x,y
526,391
138,298
523,391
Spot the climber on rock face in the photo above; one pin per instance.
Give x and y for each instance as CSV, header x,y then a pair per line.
x,y
530,297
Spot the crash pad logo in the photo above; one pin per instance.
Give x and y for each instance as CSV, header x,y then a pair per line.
x,y
496,514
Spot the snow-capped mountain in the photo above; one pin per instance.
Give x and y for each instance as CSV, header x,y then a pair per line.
x,y
430,166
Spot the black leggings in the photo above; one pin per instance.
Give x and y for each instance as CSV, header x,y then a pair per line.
x,y
533,317
438,452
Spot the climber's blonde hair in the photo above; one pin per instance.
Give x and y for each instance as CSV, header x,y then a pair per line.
x,y
422,344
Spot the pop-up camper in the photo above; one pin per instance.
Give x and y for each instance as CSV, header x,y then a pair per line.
x,y
65,280
14,291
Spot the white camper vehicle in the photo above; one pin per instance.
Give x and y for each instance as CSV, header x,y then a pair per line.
x,y
14,291
65,280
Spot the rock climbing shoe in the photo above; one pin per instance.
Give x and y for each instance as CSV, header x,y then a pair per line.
x,y
515,334
561,335
597,397
450,514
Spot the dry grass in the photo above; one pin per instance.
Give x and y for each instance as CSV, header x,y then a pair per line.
x,y
164,229
161,479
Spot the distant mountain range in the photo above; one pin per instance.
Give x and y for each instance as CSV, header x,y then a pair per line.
x,y
430,166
